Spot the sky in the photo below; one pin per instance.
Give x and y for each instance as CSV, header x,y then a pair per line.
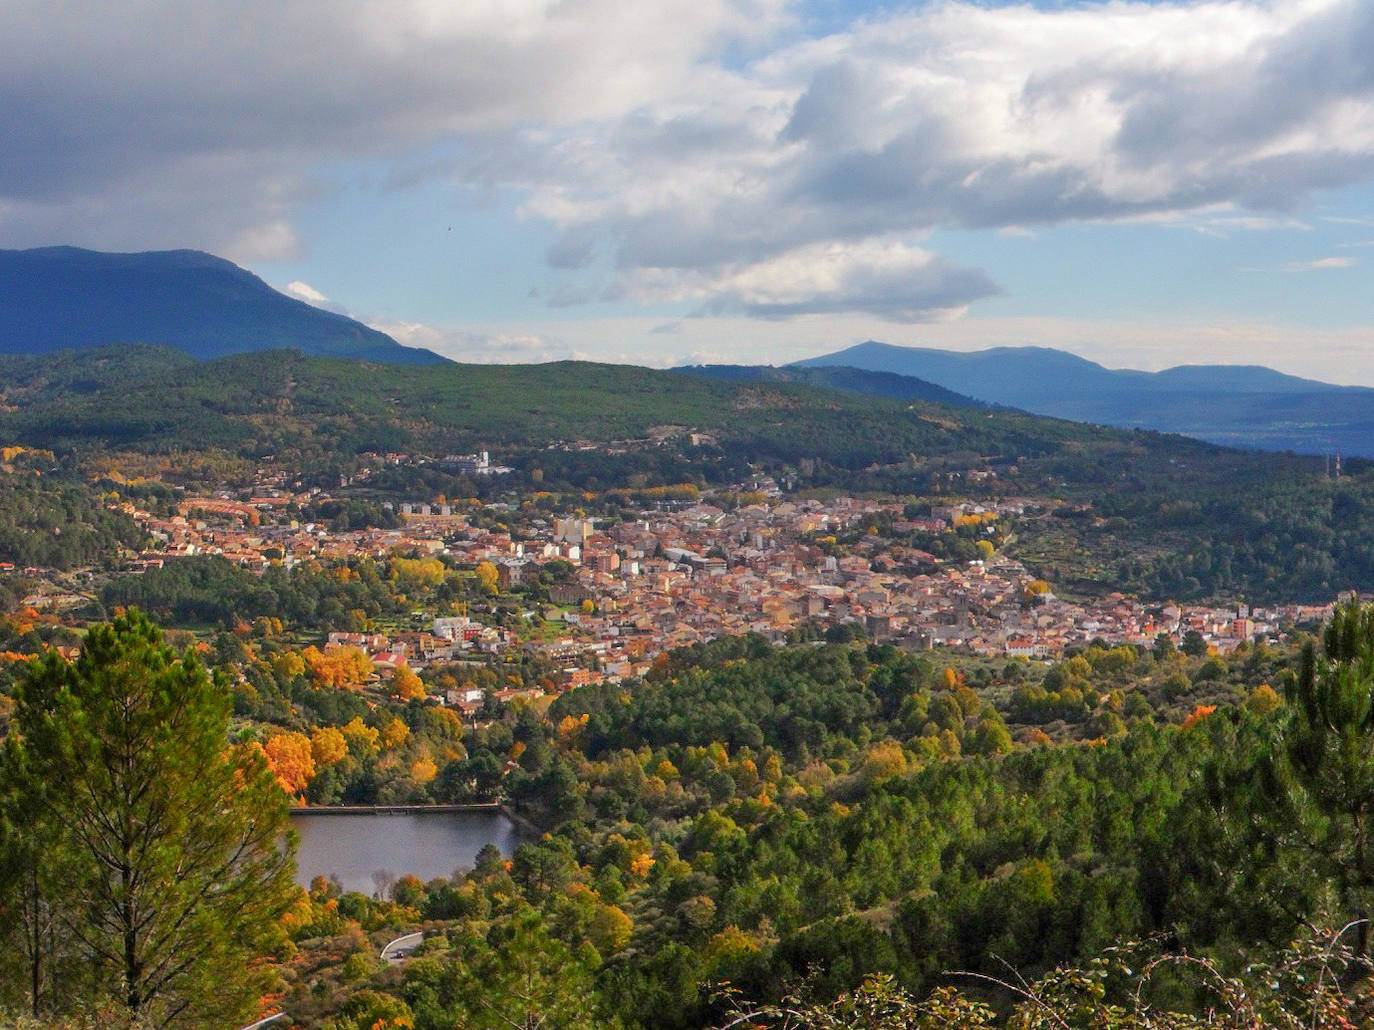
x,y
747,181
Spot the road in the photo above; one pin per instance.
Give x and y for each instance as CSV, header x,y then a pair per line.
x,y
279,1017
398,949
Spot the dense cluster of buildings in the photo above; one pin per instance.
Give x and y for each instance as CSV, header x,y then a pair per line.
x,y
610,597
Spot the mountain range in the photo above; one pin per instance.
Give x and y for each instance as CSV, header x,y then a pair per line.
x,y
57,298
61,298
1236,405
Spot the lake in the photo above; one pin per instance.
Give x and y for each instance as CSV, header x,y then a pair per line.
x,y
365,850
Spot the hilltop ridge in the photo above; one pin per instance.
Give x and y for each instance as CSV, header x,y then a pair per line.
x,y
55,298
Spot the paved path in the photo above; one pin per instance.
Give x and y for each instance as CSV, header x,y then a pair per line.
x,y
398,949
280,1016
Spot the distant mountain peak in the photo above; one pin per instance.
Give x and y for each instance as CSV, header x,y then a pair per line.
x,y
62,297
1234,405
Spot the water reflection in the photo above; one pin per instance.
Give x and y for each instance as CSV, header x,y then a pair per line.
x,y
367,852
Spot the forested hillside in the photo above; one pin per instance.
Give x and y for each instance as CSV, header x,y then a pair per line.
x,y
802,819
793,816
812,816
848,380
153,399
1164,516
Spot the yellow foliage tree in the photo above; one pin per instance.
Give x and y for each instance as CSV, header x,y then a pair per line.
x,y
610,929
288,665
327,746
423,769
772,769
406,685
883,761
346,668
447,724
729,946
949,744
415,572
488,578
291,761
395,734
1263,700
362,738
570,727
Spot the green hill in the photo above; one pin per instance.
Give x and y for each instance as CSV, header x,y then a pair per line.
x,y
848,380
1165,516
155,399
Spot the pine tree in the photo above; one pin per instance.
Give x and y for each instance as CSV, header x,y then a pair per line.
x,y
1329,756
172,858
26,861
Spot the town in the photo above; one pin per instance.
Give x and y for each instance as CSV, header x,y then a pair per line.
x,y
622,591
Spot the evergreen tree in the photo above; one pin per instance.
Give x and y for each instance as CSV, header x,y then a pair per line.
x,y
1330,757
518,977
170,858
27,854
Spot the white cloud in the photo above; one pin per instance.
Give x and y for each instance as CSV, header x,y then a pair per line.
x,y
485,345
1320,264
891,280
410,334
1224,225
694,151
306,292
1343,356
959,115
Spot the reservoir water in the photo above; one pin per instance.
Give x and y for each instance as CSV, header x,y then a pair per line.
x,y
367,851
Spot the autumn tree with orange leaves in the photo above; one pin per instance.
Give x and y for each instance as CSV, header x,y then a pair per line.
x,y
406,685
346,668
290,756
